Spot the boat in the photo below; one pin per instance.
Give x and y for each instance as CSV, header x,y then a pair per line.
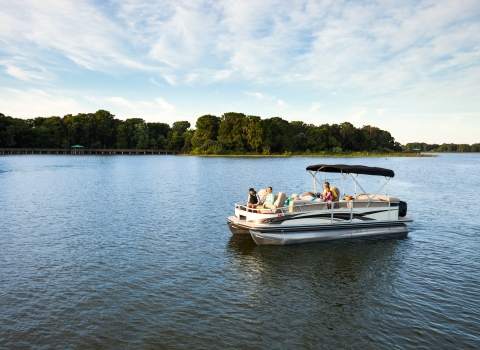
x,y
306,218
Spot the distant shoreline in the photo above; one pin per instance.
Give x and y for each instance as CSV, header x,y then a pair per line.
x,y
50,151
340,155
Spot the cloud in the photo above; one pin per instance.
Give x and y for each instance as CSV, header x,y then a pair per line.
x,y
165,105
150,110
31,103
153,81
24,69
258,95
408,58
315,106
322,43
357,115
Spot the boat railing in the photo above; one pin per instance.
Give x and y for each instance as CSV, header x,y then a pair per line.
x,y
332,208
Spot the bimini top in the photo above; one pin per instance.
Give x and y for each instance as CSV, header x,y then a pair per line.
x,y
353,169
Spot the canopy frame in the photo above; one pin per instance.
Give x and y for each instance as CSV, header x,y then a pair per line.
x,y
353,171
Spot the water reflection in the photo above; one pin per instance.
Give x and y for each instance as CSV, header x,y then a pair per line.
x,y
122,251
355,266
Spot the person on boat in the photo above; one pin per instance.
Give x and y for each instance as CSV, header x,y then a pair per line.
x,y
333,190
325,186
253,200
269,199
327,195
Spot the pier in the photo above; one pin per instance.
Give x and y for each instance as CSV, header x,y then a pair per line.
x,y
84,151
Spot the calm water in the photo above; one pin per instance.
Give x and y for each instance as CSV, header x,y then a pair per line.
x,y
134,252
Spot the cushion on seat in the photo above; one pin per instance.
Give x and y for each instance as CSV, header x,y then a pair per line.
x,y
262,193
281,198
381,197
335,194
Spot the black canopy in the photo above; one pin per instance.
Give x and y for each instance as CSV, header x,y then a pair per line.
x,y
354,169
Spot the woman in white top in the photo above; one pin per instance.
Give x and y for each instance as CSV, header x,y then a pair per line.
x,y
269,199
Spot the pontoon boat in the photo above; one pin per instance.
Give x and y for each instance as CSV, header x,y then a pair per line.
x,y
309,219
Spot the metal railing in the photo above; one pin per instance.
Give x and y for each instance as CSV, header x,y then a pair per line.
x,y
289,209
84,151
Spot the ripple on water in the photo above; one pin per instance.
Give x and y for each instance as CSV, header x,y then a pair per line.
x,y
134,252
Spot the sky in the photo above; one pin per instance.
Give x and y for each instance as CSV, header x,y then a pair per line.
x,y
409,67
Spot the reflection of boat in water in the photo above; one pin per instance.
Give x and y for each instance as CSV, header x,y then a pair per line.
x,y
311,219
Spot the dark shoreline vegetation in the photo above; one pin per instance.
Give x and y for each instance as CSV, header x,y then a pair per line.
x,y
233,134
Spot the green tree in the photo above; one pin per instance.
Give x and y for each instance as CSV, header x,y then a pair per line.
x,y
125,133
230,132
141,136
277,135
176,136
206,132
253,132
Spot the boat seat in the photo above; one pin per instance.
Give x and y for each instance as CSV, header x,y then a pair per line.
x,y
381,197
364,204
315,205
261,194
279,202
335,194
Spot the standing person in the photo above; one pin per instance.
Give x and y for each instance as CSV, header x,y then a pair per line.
x,y
253,200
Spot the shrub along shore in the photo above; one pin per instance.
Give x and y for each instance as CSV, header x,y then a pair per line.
x,y
321,154
232,134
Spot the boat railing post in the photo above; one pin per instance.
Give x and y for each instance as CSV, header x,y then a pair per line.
x,y
331,216
389,210
351,211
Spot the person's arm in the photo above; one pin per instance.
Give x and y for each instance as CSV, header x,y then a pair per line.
x,y
260,199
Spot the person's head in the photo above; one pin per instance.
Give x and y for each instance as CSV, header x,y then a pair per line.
x,y
269,189
252,191
326,185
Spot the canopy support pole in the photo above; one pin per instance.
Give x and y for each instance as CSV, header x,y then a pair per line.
x,y
315,181
356,183
384,185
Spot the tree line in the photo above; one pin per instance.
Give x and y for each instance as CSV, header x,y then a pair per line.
x,y
446,147
92,130
231,133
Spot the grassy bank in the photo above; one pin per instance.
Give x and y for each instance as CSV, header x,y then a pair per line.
x,y
321,154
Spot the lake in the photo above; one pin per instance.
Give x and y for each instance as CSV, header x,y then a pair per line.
x,y
134,252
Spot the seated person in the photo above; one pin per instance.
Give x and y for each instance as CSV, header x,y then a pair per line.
x,y
327,195
253,200
269,200
333,190
325,186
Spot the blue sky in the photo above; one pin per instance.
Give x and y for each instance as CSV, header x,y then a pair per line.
x,y
409,67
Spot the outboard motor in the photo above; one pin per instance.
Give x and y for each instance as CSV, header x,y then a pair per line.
x,y
402,209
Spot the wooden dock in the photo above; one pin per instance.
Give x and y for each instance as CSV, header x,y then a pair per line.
x,y
84,151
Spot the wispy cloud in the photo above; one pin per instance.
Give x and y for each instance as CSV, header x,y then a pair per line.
x,y
332,59
23,69
257,95
31,103
327,44
150,110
